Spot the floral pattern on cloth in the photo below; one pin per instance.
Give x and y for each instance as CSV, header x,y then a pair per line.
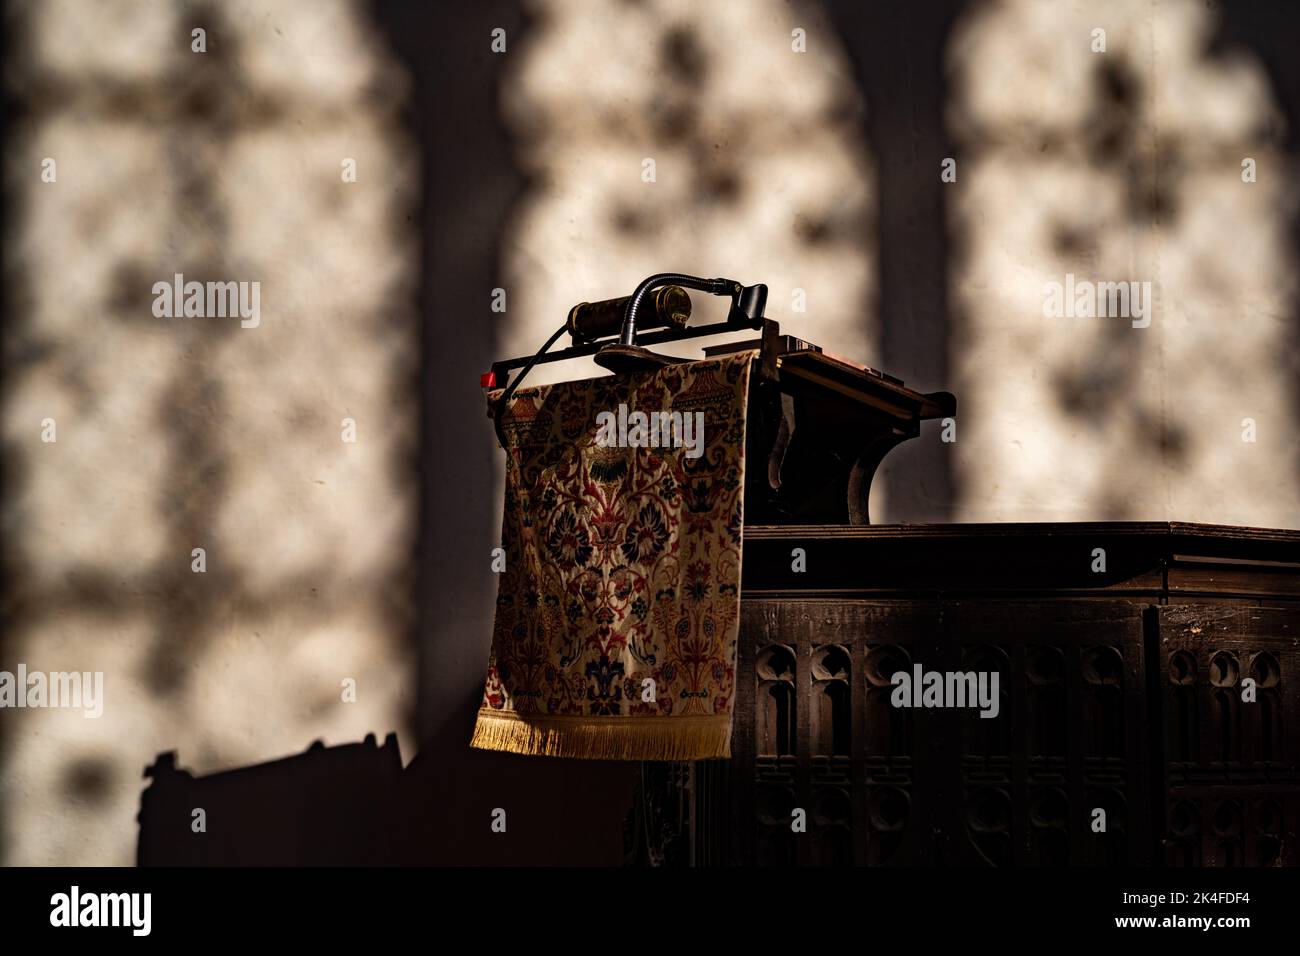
x,y
618,608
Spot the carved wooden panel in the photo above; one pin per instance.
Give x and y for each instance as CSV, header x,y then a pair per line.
x,y
1231,765
1137,722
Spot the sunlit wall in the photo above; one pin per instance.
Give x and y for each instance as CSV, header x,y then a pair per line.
x,y
1122,164
184,433
759,167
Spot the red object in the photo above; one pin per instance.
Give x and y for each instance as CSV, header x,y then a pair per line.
x,y
488,380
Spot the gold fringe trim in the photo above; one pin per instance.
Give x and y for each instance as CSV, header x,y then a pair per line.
x,y
605,738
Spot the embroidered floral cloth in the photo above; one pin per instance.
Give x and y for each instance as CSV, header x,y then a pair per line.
x,y
618,608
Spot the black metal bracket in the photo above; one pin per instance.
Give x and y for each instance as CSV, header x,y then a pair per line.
x,y
505,366
747,302
624,352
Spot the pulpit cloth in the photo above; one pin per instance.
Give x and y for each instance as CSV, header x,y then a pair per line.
x,y
618,606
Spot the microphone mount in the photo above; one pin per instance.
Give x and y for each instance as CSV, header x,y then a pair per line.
x,y
626,351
